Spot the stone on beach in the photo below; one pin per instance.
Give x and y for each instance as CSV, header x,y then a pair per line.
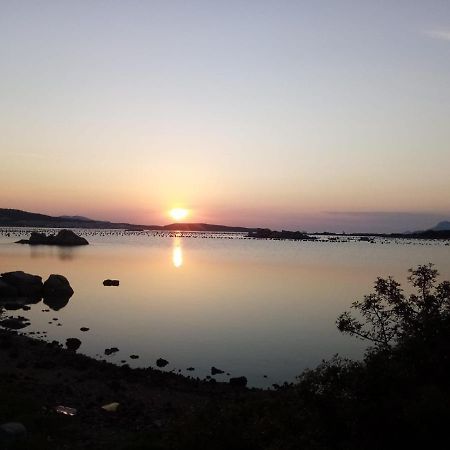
x,y
73,344
238,382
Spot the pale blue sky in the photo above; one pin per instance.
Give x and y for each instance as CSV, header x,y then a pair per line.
x,y
278,113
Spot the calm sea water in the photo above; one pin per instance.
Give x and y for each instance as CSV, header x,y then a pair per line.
x,y
249,307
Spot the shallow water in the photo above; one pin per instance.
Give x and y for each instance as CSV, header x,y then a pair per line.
x,y
249,307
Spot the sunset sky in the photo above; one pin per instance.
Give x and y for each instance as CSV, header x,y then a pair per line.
x,y
316,115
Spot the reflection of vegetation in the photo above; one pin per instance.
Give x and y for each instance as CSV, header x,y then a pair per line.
x,y
397,397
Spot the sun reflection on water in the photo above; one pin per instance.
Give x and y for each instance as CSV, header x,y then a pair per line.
x,y
177,253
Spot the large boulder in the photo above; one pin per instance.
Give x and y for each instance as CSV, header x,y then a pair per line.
x,y
7,291
27,285
57,292
65,238
57,286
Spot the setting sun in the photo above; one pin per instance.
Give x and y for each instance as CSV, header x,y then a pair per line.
x,y
178,213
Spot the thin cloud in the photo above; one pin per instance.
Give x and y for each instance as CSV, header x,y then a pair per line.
x,y
440,33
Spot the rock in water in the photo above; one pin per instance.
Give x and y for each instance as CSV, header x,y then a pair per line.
x,y
68,237
27,285
14,323
110,351
73,344
63,238
161,362
216,371
7,291
57,286
57,292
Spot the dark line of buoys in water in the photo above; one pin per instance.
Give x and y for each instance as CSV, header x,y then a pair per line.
x,y
17,232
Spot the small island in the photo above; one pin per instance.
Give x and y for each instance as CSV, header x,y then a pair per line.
x,y
65,238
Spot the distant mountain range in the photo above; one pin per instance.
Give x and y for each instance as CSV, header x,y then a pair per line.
x,y
18,218
75,217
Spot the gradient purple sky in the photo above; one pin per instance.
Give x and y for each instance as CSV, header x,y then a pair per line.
x,y
316,115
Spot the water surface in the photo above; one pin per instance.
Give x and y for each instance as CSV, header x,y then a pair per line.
x,y
250,307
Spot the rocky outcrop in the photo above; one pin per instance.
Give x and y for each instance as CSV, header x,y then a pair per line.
x,y
65,238
21,283
17,289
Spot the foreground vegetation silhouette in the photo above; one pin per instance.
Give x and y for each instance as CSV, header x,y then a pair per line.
x,y
398,396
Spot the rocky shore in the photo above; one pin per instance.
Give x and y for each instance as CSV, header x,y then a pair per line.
x,y
53,398
37,377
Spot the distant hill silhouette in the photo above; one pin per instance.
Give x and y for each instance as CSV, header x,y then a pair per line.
x,y
442,226
204,227
76,218
18,218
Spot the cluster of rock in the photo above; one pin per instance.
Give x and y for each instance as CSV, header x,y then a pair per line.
x,y
18,289
266,233
65,238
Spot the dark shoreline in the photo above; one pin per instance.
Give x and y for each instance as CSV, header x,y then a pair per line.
x,y
36,376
